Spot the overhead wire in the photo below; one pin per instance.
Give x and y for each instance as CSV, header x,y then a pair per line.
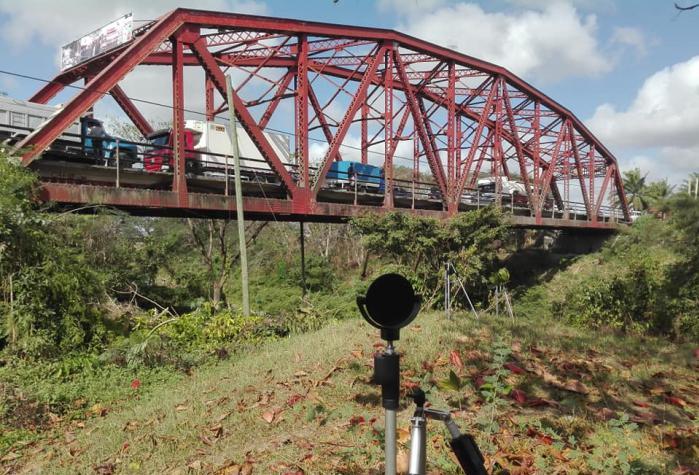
x,y
191,111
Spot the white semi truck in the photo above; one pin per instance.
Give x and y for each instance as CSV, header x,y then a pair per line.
x,y
208,150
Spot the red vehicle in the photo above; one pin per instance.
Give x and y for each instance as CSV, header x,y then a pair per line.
x,y
159,157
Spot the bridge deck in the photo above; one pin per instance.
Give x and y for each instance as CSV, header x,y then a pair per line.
x,y
79,185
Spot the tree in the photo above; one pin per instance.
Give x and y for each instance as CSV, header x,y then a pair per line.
x,y
691,184
636,189
659,194
420,247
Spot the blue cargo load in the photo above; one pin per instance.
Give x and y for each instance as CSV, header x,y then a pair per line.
x,y
343,174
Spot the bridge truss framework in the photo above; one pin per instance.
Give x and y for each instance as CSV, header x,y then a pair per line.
x,y
458,117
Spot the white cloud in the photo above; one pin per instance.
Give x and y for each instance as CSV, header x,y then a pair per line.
x,y
604,5
409,7
550,44
671,163
664,113
631,37
663,118
55,23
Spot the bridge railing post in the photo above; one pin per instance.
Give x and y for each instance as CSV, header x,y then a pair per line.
x,y
118,167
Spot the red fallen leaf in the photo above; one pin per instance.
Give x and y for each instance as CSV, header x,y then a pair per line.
x,y
641,404
427,366
686,470
643,418
544,439
672,442
478,381
356,420
536,350
291,402
514,368
519,396
537,402
606,414
410,384
674,400
135,384
696,353
456,359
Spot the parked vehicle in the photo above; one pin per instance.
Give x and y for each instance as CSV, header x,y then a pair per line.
x,y
208,148
346,174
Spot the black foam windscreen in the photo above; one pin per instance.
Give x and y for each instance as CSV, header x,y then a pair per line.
x,y
390,301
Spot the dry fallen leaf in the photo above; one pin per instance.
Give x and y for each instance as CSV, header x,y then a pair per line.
x,y
403,435
230,468
195,465
268,416
10,456
456,360
576,386
402,462
246,469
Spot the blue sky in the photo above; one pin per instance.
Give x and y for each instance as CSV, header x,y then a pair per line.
x,y
628,68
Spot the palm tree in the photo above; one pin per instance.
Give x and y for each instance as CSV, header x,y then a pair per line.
x,y
659,194
691,184
636,189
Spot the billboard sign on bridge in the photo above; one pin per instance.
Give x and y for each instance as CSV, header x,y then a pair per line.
x,y
99,41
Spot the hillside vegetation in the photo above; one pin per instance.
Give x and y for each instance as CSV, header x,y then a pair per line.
x,y
540,396
123,347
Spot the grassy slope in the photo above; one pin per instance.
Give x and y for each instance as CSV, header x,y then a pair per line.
x,y
313,388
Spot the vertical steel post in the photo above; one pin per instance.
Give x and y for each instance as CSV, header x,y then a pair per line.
x,y
301,130
416,166
179,183
118,164
591,190
365,131
388,128
536,195
238,197
209,92
453,201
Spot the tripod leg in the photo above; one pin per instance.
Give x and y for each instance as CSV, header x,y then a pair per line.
x,y
417,446
390,450
468,454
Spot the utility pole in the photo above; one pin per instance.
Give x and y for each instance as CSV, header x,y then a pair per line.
x,y
302,239
233,131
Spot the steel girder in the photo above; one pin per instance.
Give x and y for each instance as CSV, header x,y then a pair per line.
x,y
460,112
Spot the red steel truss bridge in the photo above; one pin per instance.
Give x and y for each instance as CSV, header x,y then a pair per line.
x,y
436,120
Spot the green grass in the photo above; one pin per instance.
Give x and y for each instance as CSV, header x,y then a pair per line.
x,y
304,402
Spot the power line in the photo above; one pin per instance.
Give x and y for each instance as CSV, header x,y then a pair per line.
x,y
191,111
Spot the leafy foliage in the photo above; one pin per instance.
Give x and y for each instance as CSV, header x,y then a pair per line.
x,y
420,247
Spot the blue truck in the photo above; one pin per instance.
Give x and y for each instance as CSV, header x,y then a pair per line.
x,y
347,174
103,146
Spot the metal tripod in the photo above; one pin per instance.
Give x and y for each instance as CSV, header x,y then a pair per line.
x,y
463,445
